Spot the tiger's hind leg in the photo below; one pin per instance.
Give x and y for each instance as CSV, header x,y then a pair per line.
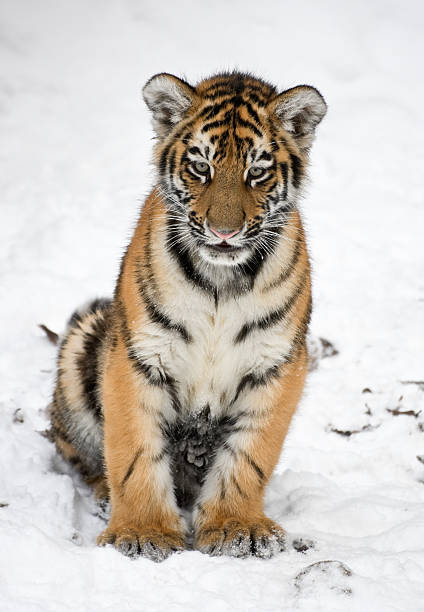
x,y
100,487
76,412
70,453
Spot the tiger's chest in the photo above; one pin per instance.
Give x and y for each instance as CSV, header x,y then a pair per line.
x,y
209,366
210,362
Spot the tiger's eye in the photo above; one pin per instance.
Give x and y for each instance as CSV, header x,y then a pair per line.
x,y
255,171
201,167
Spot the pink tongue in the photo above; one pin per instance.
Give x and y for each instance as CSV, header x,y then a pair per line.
x,y
224,236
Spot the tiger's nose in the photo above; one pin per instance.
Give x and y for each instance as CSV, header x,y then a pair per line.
x,y
224,234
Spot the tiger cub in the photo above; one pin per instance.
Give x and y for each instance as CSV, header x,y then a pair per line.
x,y
177,394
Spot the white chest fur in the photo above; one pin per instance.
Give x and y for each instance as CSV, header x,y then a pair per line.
x,y
209,367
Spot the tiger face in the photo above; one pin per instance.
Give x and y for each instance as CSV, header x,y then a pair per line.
x,y
231,158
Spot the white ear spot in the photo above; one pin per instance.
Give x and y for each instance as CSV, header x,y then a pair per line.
x,y
300,110
169,99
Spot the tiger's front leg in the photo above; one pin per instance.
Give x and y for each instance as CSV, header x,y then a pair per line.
x,y
144,515
230,518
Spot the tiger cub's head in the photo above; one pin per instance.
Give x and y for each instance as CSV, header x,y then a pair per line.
x,y
231,158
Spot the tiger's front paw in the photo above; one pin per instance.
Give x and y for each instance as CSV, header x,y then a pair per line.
x,y
236,538
155,544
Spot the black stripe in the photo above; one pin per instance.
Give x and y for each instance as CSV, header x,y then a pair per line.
x,y
237,486
239,143
248,124
87,361
223,490
177,249
249,141
253,229
251,111
264,88
219,93
172,162
265,155
220,81
210,111
163,157
154,375
156,315
254,465
264,181
299,339
257,380
194,151
237,100
97,304
220,148
285,172
288,271
185,137
159,317
181,132
259,101
251,268
132,466
171,384
246,380
275,316
275,140
297,169
218,123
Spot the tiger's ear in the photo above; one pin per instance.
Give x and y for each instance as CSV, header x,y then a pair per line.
x,y
169,98
299,111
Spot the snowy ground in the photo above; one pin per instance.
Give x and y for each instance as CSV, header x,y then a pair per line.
x,y
76,141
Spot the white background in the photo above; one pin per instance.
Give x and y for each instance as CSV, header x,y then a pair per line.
x,y
75,167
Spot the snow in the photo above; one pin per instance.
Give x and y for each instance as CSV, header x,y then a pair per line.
x,y
76,145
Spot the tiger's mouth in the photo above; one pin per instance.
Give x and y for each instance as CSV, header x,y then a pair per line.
x,y
220,253
224,247
224,254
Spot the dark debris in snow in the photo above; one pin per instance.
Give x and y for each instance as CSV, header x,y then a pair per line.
x,y
397,412
418,383
327,348
18,416
330,574
350,432
301,545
